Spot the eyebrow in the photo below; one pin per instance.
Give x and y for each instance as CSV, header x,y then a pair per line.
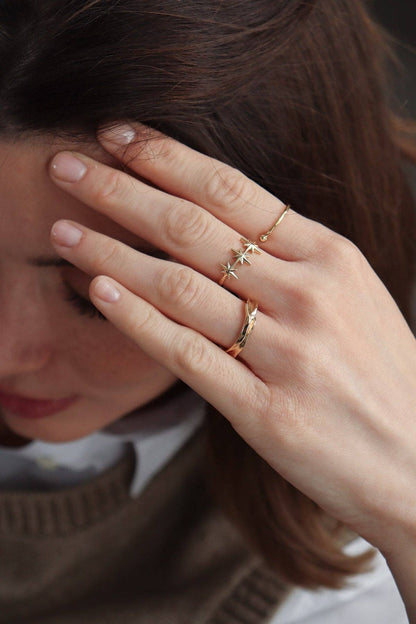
x,y
56,261
43,261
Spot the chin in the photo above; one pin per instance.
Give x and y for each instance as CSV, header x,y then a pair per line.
x,y
62,427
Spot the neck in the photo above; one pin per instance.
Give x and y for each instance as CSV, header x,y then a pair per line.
x,y
9,438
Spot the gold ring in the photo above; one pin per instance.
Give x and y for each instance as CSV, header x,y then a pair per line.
x,y
263,237
248,326
240,255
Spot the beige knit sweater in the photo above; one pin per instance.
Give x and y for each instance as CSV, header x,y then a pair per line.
x,y
92,554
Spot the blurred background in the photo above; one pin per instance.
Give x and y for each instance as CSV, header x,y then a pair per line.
x,y
399,18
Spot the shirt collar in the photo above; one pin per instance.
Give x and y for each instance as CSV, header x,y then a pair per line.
x,y
158,430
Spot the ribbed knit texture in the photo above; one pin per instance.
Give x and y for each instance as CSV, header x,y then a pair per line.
x,y
92,554
252,600
63,511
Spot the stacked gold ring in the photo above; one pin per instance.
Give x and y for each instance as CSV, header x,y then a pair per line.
x,y
240,255
230,270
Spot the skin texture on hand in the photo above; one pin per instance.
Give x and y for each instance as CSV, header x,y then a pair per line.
x,y
402,563
324,389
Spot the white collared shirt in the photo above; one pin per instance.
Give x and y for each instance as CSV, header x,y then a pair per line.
x,y
155,432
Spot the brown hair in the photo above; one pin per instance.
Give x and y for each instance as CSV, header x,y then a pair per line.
x,y
291,92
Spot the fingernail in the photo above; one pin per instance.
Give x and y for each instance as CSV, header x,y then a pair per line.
x,y
65,234
106,291
67,167
122,134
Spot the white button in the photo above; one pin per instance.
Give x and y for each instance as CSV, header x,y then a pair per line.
x,y
47,463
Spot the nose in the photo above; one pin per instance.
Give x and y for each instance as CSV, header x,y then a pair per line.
x,y
25,331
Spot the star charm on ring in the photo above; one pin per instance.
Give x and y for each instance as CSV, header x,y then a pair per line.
x,y
229,270
250,246
240,256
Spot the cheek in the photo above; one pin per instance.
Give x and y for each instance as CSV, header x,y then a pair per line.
x,y
105,358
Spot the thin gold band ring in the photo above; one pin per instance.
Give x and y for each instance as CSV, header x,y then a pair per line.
x,y
249,247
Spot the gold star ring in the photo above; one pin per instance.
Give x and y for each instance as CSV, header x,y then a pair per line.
x,y
240,255
249,247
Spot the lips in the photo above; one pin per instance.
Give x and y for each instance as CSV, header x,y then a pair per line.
x,y
34,408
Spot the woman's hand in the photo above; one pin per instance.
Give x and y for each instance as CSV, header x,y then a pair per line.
x,y
325,388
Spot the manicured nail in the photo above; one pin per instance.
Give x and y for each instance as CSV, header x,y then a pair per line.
x,y
65,234
122,134
106,291
66,167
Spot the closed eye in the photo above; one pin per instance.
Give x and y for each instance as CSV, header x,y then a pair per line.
x,y
85,306
82,305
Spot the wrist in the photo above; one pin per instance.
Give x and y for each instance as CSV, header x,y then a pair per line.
x,y
402,563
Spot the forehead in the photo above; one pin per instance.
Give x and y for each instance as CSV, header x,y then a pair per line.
x,y
30,202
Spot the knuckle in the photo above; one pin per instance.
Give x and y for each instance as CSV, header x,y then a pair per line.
x,y
227,186
344,249
186,224
310,299
299,294
292,415
261,401
108,256
333,248
253,407
143,322
159,145
110,188
178,286
307,303
191,356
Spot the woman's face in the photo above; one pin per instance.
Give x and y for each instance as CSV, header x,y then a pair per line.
x,y
48,348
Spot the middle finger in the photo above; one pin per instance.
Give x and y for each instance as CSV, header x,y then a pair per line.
x,y
184,230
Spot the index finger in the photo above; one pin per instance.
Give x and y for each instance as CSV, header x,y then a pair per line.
x,y
220,188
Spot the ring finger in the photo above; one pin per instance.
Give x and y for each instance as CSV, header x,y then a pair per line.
x,y
178,291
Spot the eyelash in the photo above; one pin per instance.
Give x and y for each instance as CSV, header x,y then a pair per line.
x,y
83,306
